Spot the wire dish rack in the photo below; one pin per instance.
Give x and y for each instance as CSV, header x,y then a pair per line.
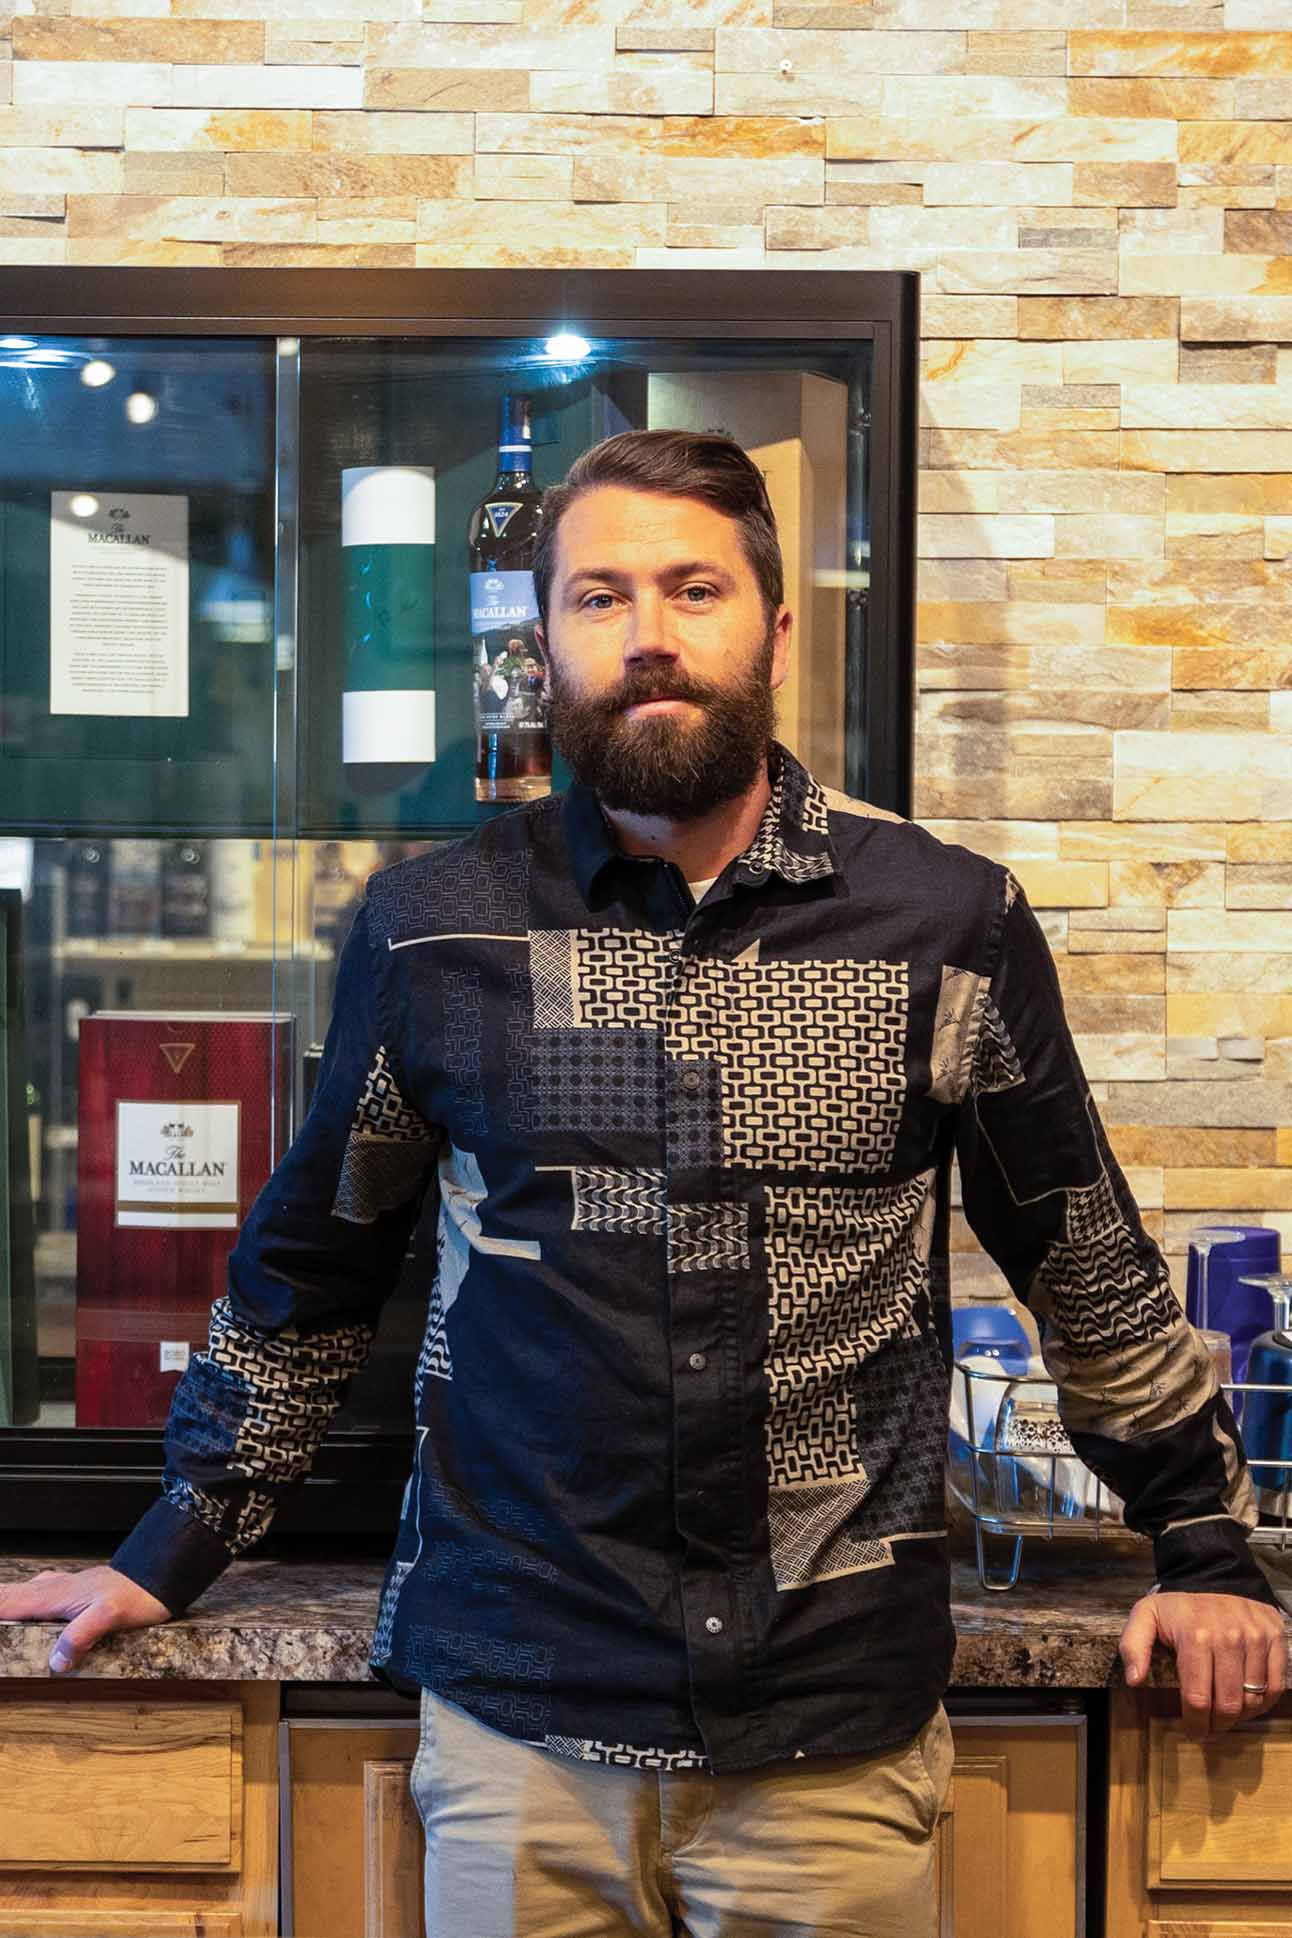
x,y
1013,1469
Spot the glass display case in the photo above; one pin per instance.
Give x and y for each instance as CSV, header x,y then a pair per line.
x,y
266,624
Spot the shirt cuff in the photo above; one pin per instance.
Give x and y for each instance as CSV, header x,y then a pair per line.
x,y
1211,1558
172,1554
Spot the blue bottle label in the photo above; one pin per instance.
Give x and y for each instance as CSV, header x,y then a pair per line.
x,y
502,599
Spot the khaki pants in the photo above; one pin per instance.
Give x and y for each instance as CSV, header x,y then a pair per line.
x,y
524,1844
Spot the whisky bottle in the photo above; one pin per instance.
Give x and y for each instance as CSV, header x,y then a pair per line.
x,y
513,751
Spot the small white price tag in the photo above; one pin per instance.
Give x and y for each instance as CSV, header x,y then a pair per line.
x,y
174,1355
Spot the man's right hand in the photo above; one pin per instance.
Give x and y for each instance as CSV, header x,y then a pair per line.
x,y
98,1600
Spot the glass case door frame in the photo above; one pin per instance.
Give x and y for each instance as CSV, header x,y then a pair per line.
x,y
60,1479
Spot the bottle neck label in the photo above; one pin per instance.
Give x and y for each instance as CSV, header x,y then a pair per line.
x,y
500,513
500,599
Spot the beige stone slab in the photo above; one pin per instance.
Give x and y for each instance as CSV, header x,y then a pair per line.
x,y
35,249
798,92
1018,52
124,251
375,132
296,9
61,127
998,184
1125,1058
1067,710
1189,276
180,130
139,41
996,667
974,406
1217,195
1280,714
1006,96
1165,844
948,362
16,203
1255,320
441,47
62,171
266,87
1242,14
1004,841
1207,450
1277,538
1148,360
191,218
363,219
1016,450
572,91
1205,757
950,581
552,233
1084,228
873,194
1267,495
1189,582
1045,419
1128,974
1000,15
1107,535
319,255
1162,100
1034,272
975,138
1064,884
1206,668
631,36
395,90
1109,492
1173,797
328,43
1259,232
965,491
750,138
1118,1016
950,228
168,174
1171,884
681,232
1227,363
1264,100
505,13
1012,792
1197,1145
877,52
1208,711
522,178
1129,919
1118,942
1200,406
1222,1190
815,228
1259,885
419,176
1070,582
1125,184
986,537
1228,53
968,316
1077,754
1252,973
1111,319
987,622
1235,141
119,84
666,178
1149,232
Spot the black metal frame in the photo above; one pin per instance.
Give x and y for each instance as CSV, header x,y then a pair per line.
x,y
75,1479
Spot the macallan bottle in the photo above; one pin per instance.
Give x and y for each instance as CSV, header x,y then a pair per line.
x,y
513,751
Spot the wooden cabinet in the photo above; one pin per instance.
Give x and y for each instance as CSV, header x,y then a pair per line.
x,y
1200,1834
138,1811
1018,1812
353,1840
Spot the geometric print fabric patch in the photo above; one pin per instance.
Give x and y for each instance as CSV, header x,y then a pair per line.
x,y
599,979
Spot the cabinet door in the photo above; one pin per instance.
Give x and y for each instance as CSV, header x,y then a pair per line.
x,y
354,1841
1018,1827
1218,1812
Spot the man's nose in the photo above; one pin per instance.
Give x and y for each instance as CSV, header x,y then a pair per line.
x,y
648,635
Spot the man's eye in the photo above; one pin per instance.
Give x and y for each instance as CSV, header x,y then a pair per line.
x,y
594,596
705,591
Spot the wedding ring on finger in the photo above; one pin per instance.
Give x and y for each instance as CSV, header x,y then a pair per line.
x,y
1256,1688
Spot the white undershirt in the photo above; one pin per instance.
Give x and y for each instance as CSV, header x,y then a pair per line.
x,y
701,889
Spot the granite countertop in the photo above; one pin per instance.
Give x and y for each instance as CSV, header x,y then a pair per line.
x,y
309,1618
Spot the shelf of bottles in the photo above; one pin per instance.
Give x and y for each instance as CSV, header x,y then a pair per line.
x,y
267,623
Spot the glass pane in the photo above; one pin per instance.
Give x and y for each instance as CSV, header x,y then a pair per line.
x,y
145,1065
420,677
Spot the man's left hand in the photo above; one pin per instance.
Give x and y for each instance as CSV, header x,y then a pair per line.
x,y
1220,1643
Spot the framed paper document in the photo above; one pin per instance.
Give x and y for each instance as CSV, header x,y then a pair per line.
x,y
118,603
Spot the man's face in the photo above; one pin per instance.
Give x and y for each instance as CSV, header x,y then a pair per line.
x,y
662,663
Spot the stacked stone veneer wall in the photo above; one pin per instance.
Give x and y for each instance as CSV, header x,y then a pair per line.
x,y
1099,196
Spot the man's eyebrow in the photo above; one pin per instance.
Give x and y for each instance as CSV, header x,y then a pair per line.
x,y
684,569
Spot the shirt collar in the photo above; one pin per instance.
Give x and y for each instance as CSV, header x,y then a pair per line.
x,y
793,838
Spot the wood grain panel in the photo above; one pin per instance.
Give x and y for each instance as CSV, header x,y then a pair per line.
x,y
205,1923
393,1851
329,1760
981,1843
1218,1812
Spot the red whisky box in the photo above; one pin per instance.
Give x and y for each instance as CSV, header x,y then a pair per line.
x,y
182,1119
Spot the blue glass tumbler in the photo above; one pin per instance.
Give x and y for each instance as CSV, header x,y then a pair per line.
x,y
1267,1416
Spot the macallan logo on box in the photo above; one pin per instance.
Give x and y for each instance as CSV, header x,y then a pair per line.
x,y
177,1165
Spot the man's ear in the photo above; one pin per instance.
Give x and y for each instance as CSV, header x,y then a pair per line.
x,y
782,641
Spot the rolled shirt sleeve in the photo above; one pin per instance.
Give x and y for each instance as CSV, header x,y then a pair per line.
x,y
318,1255
1044,1194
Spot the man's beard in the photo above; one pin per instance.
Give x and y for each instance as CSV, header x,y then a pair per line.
x,y
677,766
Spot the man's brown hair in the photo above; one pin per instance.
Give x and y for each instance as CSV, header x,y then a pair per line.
x,y
677,464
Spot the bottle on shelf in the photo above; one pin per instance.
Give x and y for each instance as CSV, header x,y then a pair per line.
x,y
513,750
86,876
185,890
134,889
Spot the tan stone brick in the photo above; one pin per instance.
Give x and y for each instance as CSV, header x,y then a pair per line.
x,y
458,234
505,13
1108,535
1211,712
1059,711
1173,884
1259,885
1064,884
1207,450
987,536
685,228
1118,1016
1265,100
421,176
1038,272
1260,842
1017,53
1129,975
1214,535
1209,54
1075,399
226,130
373,132
170,174
1119,841
873,194
1201,406
1016,450
1005,841
319,255
390,218
1180,274
1081,491
403,44
449,89
168,41
631,36
519,178
804,93
571,90
114,251
1256,669
1173,797
666,178
1206,1190
235,86
1261,232
1257,320
325,43
816,228
1177,1146
1230,930
968,316
1125,184
61,128
1165,232
114,83
1126,1058
977,491
1250,972
1217,196
1141,942
1277,538
990,623
1108,318
1239,363
950,229
751,137
947,362
1085,228
973,138
1235,141
761,51
956,581
1015,792
1268,495
1228,582
1164,100
191,218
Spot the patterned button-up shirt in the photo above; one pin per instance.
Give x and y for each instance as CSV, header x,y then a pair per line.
x,y
681,1406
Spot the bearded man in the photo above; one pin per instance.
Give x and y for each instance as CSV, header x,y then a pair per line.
x,y
686,1054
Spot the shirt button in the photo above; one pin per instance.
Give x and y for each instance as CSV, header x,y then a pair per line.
x,y
698,1361
691,1079
714,1624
